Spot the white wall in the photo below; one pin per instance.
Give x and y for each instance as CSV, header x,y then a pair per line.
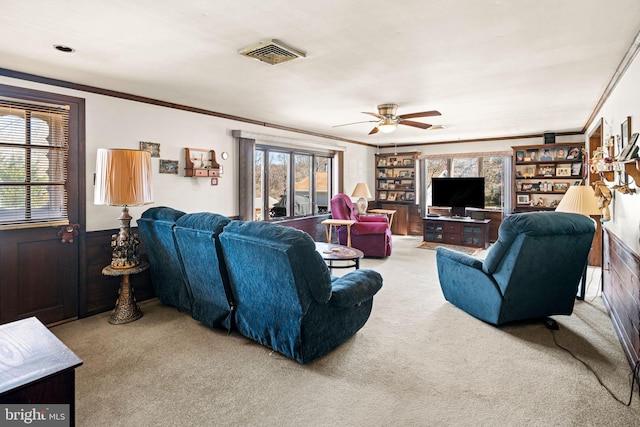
x,y
117,123
624,101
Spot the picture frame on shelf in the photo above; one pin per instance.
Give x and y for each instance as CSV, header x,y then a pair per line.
x,y
392,197
393,161
563,170
407,162
546,170
560,187
574,153
384,185
382,162
546,154
560,153
382,195
577,182
576,169
523,199
532,155
519,156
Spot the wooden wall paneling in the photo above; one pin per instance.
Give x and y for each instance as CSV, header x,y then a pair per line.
x,y
621,292
101,291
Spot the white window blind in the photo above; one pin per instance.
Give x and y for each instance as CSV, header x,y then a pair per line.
x,y
34,145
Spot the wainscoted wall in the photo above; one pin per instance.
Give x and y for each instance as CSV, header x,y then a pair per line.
x,y
99,292
621,292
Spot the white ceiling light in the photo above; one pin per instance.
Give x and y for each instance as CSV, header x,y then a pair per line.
x,y
388,125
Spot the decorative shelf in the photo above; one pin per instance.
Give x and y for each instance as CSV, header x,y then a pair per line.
x,y
201,163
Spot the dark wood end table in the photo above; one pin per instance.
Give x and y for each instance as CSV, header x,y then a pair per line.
x,y
331,252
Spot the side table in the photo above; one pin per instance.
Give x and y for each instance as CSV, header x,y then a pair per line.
x,y
126,309
337,223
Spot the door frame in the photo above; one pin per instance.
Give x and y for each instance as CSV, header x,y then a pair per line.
x,y
76,163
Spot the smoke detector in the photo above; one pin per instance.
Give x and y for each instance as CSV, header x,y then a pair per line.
x,y
272,52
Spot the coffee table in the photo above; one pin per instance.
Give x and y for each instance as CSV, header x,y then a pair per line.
x,y
331,252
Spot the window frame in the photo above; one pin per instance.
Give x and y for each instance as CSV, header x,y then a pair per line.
x,y
292,153
56,209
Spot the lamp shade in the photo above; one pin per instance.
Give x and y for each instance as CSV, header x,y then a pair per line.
x,y
361,190
123,177
387,126
579,199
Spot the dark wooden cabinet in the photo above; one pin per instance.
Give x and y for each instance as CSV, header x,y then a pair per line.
x,y
37,368
457,231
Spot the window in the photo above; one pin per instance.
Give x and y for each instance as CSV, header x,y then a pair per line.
x,y
33,164
491,167
290,183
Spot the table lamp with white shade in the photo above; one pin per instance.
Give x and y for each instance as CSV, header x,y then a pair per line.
x,y
123,178
362,192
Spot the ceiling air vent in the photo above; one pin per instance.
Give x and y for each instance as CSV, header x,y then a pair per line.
x,y
272,52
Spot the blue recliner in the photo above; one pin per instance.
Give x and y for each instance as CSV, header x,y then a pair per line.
x,y
285,297
156,232
206,275
532,271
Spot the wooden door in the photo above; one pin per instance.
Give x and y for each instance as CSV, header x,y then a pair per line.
x,y
39,275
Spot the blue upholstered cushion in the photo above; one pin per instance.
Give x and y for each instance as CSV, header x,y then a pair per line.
x,y
197,239
156,232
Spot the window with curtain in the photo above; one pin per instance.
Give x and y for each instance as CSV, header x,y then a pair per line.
x,y
290,183
493,167
33,164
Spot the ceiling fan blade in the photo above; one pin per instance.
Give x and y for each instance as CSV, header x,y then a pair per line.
x,y
355,123
374,130
421,114
415,124
380,116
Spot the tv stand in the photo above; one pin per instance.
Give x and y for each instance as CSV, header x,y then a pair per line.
x,y
462,231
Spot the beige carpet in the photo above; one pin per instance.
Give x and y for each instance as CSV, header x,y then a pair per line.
x,y
418,361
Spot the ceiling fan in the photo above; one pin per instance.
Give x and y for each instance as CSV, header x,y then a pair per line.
x,y
388,120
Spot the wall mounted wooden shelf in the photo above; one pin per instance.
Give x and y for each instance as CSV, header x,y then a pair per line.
x,y
201,163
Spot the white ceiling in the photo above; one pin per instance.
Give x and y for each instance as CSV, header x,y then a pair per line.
x,y
493,68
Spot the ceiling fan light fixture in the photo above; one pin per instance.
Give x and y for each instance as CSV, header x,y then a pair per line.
x,y
388,125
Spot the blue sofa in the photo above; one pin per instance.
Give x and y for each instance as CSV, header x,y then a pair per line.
x,y
264,280
205,272
156,232
284,295
532,271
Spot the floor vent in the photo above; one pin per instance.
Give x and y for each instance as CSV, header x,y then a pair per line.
x,y
272,52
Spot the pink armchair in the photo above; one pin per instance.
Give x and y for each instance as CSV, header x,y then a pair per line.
x,y
370,234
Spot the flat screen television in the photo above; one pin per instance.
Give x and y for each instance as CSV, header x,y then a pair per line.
x,y
457,194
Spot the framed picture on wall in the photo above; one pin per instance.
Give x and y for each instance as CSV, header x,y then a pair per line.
x,y
625,128
169,166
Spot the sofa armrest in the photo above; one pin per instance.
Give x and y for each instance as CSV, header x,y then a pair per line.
x,y
361,228
373,218
459,257
355,287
